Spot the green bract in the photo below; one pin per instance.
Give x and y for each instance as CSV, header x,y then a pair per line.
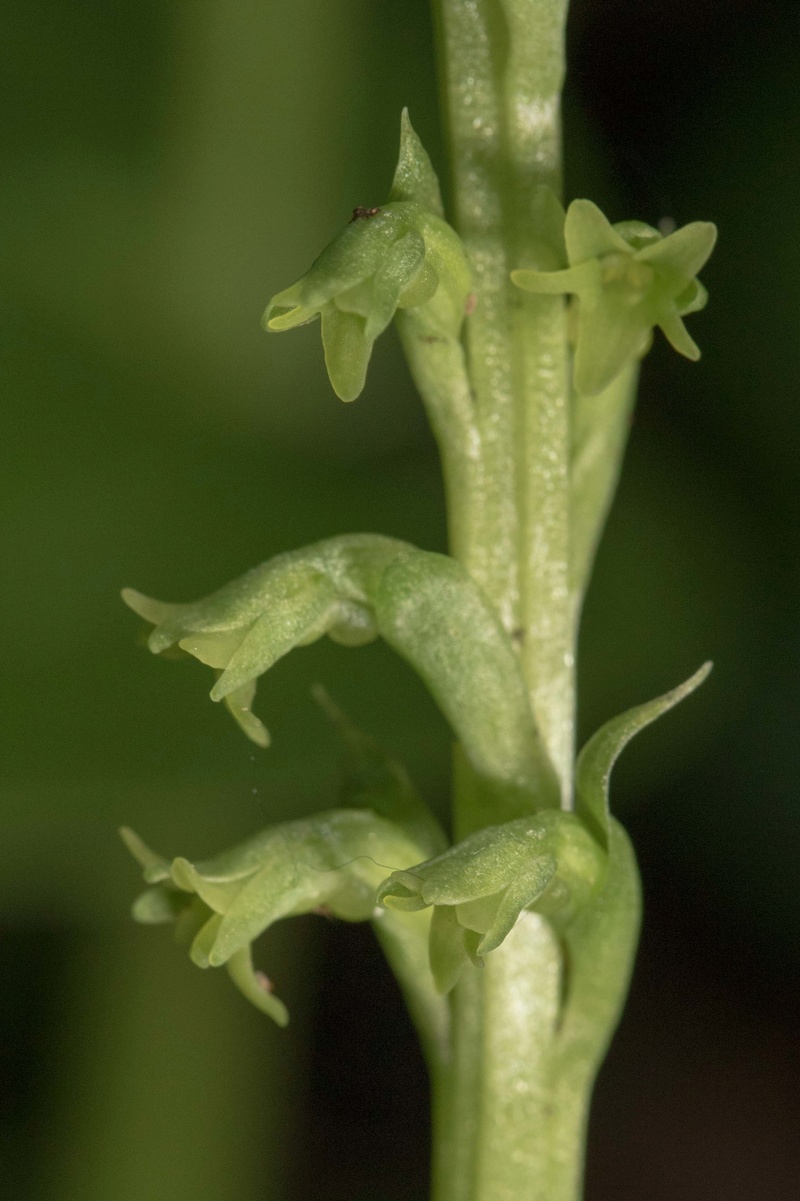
x,y
593,769
402,255
332,862
480,887
627,279
355,588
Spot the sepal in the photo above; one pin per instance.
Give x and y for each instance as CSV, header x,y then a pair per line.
x,y
414,176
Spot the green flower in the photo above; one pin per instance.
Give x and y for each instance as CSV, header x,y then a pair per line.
x,y
480,887
627,279
332,863
402,255
356,588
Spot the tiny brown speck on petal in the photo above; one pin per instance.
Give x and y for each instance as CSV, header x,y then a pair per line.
x,y
264,982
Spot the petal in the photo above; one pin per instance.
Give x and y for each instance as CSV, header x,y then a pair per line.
x,y
524,890
478,915
238,705
158,905
396,273
286,310
347,352
255,987
402,891
214,650
151,610
573,279
679,337
277,319
637,234
446,948
302,618
610,335
191,921
693,300
218,896
204,941
683,254
156,867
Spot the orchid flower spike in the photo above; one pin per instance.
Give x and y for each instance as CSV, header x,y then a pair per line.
x,y
627,279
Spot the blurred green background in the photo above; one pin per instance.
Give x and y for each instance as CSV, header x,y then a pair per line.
x,y
166,167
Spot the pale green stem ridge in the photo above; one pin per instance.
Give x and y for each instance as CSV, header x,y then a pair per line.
x,y
475,120
457,1096
529,1033
521,1007
600,427
439,370
504,119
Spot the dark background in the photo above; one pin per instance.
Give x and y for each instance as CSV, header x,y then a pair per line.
x,y
166,168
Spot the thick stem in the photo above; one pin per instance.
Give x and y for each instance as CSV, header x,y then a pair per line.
x,y
529,1033
509,1114
504,1131
503,67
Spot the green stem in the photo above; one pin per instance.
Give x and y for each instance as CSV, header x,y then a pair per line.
x,y
503,70
528,1035
493,1138
511,1102
439,371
